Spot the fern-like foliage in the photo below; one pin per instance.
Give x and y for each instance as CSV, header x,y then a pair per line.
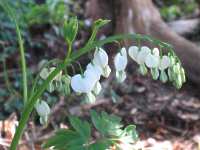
x,y
113,135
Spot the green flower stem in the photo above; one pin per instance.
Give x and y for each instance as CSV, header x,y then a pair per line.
x,y
73,57
23,64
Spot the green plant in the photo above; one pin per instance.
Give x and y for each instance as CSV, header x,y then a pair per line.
x,y
111,134
54,76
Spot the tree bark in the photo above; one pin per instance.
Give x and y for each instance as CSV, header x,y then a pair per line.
x,y
141,16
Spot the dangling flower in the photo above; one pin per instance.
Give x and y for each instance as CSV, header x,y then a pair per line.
x,y
42,108
152,61
142,54
120,60
164,63
81,84
100,57
97,70
133,52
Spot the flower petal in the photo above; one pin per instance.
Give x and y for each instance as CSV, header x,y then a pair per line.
x,y
143,54
164,63
100,57
120,60
133,52
152,61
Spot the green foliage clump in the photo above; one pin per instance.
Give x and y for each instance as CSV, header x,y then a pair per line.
x,y
112,134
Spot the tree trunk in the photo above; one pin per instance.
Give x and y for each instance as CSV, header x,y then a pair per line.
x,y
141,16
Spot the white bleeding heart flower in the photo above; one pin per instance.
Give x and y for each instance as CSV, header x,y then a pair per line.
x,y
156,52
90,98
164,62
106,71
96,69
100,57
97,88
121,76
142,54
92,75
44,73
42,108
133,52
120,60
152,61
81,84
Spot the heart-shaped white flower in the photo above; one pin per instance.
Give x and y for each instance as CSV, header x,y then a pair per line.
x,y
120,60
81,84
164,63
42,108
152,61
142,54
133,52
100,57
97,70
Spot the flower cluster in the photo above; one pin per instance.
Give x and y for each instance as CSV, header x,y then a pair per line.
x,y
164,67
88,82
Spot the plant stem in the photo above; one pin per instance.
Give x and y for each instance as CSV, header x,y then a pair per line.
x,y
23,64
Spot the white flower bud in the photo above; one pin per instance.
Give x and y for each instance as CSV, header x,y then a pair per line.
x,y
100,57
42,108
121,76
133,52
143,54
97,88
164,63
120,60
106,71
90,98
152,61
